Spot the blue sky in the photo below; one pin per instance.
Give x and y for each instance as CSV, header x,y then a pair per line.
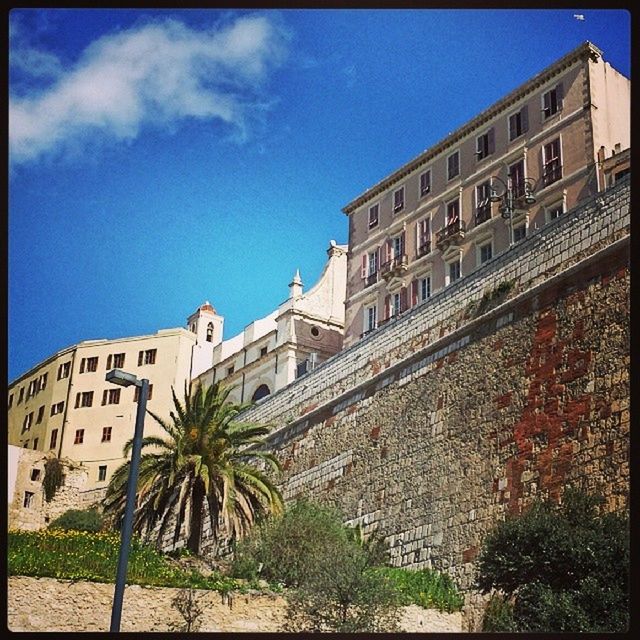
x,y
160,158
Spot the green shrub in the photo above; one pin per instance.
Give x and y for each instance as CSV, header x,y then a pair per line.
x,y
83,555
426,588
53,475
566,566
78,520
498,616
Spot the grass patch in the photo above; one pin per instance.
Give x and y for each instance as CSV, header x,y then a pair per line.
x,y
428,589
82,555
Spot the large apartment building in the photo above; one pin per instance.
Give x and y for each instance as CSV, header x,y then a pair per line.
x,y
65,405
525,160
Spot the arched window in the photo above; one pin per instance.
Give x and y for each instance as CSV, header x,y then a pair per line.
x,y
261,392
210,332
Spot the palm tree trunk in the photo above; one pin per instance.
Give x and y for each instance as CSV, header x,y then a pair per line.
x,y
197,500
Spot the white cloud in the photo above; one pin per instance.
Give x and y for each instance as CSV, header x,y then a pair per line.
x,y
156,74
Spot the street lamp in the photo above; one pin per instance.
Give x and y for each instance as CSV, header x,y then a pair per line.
x,y
503,192
124,379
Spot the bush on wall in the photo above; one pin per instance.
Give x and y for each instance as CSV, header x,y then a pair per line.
x,y
564,567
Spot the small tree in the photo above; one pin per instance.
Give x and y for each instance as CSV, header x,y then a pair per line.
x,y
187,602
564,568
330,567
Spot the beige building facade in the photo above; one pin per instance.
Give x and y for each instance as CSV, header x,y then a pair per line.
x,y
521,163
301,333
65,405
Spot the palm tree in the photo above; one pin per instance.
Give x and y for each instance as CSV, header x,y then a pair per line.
x,y
209,461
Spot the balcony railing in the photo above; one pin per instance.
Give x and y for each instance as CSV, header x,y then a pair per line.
x,y
450,234
371,279
395,266
424,248
483,213
552,172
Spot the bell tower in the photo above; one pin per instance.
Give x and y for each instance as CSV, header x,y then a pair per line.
x,y
207,326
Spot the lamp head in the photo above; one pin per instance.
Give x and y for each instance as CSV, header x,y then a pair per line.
x,y
122,378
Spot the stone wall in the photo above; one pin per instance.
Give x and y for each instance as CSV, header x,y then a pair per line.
x,y
26,476
434,428
86,606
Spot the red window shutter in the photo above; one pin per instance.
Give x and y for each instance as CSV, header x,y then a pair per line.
x,y
559,95
389,251
363,271
492,141
82,365
402,243
379,254
414,293
403,299
387,307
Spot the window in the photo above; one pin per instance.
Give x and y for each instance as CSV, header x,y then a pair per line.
x,y
40,415
552,168
57,408
84,399
20,395
516,173
136,393
485,252
398,200
395,304
25,445
54,439
27,422
79,439
43,381
555,211
261,392
485,145
27,503
63,370
453,212
35,443
519,233
102,473
263,351
453,165
106,434
370,318
147,357
10,400
372,263
31,391
424,288
35,475
374,215
370,267
453,271
552,101
210,332
518,123
483,203
230,370
397,246
115,361
425,183
423,237
111,396
88,365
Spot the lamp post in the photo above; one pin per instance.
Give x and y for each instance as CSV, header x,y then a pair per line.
x,y
124,379
503,192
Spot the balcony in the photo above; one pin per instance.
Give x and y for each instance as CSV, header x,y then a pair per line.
x,y
394,267
424,248
483,213
552,172
371,279
451,234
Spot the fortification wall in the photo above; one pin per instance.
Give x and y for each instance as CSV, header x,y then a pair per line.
x,y
437,426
